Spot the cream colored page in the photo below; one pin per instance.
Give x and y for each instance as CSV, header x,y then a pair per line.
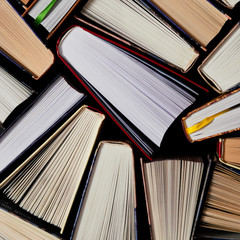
x,y
21,44
198,18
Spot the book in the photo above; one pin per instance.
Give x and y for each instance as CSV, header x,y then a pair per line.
x,y
20,44
199,19
217,117
46,183
228,150
50,14
25,2
221,207
220,69
12,93
229,3
107,210
46,111
172,190
13,227
134,94
133,21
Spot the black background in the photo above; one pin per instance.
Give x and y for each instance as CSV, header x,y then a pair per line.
x,y
175,143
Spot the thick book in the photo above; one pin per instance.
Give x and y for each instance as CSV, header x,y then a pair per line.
x,y
220,216
50,14
228,150
45,112
45,185
12,94
220,69
19,43
217,117
174,190
199,19
134,95
133,21
107,209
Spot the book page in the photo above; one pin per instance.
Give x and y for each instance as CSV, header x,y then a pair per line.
x,y
231,150
221,208
107,211
47,110
13,227
138,92
221,116
58,11
21,44
222,66
12,93
133,21
172,189
199,18
47,186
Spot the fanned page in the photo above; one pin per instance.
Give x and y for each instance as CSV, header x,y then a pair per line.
x,y
215,118
221,208
57,12
199,18
12,93
146,98
47,110
13,227
222,67
21,44
47,186
172,190
133,21
107,211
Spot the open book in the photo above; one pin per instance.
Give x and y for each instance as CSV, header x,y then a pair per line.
x,y
18,42
50,106
109,201
172,189
217,117
221,68
144,102
221,208
12,93
199,18
133,21
46,183
13,227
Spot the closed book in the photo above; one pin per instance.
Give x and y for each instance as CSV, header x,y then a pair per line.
x,y
220,69
217,117
50,14
21,45
133,21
